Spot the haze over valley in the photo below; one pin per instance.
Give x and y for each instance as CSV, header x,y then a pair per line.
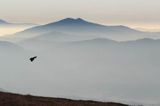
x,y
7,28
80,59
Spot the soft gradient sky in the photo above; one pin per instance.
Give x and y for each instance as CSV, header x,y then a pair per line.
x,y
141,14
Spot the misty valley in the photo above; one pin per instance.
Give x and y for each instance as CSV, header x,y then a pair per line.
x,y
78,59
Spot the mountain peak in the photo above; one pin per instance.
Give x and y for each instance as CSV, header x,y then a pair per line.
x,y
80,19
72,21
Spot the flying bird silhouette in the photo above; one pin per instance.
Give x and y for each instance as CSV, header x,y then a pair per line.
x,y
33,58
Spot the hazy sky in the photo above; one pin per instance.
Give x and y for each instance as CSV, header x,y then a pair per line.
x,y
135,13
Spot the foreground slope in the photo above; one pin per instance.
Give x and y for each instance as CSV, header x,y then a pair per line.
x,y
8,99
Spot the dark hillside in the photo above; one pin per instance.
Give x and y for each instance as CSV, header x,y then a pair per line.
x,y
9,99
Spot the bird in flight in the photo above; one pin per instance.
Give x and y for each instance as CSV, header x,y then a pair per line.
x,y
33,58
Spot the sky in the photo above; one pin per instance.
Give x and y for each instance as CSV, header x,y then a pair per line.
x,y
140,14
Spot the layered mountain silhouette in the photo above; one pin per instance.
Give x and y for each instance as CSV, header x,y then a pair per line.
x,y
6,46
102,42
2,22
83,28
5,23
80,25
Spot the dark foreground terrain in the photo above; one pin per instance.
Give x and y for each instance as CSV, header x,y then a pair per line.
x,y
10,99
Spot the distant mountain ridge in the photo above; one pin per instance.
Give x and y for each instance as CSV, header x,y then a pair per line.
x,y
8,46
5,23
66,24
81,27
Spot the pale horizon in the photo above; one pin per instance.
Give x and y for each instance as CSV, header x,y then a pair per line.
x,y
138,14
